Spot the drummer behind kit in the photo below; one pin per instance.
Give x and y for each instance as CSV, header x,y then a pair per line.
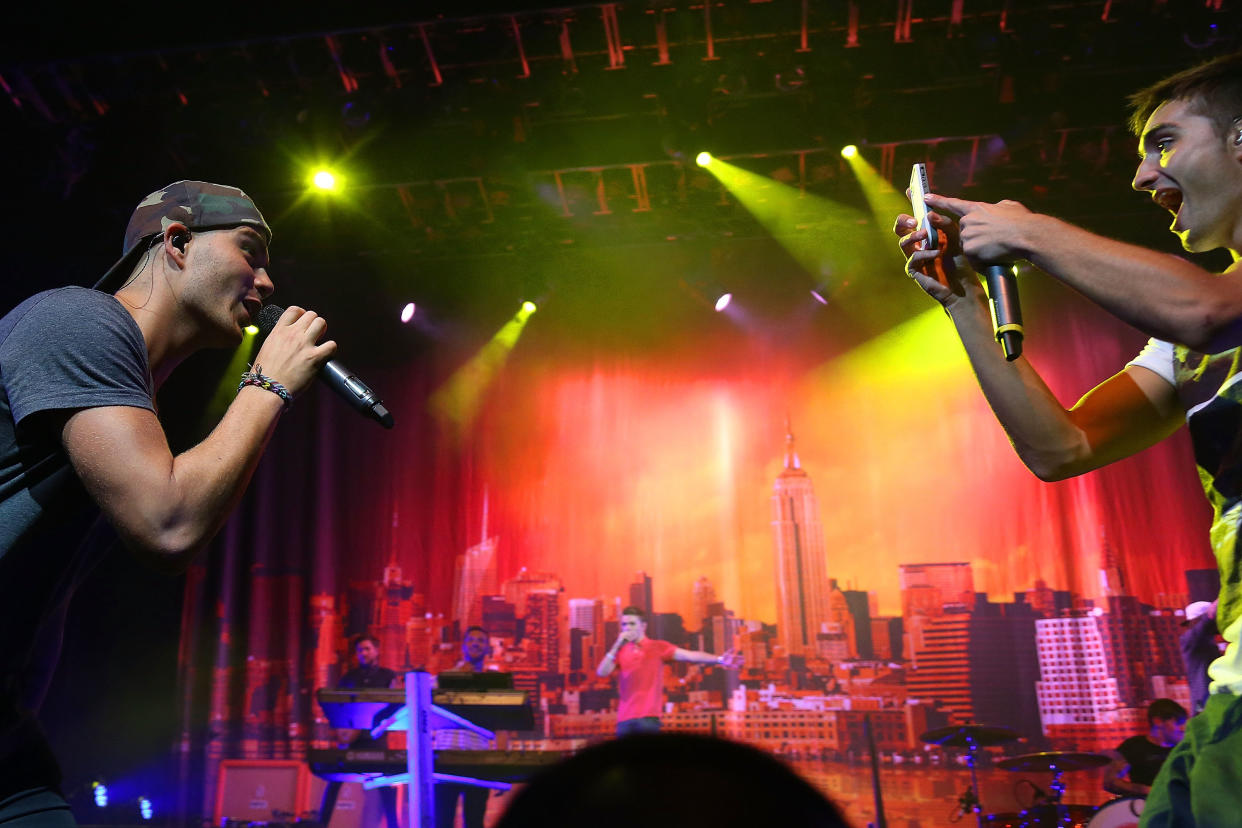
x,y
1048,810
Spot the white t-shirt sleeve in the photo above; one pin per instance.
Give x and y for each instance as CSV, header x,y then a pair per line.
x,y
1157,357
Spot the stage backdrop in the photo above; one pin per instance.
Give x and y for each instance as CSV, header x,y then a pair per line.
x,y
850,518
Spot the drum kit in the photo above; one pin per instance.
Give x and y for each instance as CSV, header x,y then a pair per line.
x,y
1048,811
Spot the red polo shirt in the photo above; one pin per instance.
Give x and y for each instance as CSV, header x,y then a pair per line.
x,y
641,682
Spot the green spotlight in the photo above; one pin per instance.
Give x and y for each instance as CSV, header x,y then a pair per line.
x,y
458,399
805,224
849,151
703,159
325,180
226,389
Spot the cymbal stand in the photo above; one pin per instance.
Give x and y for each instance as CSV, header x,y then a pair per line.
x,y
969,800
1056,790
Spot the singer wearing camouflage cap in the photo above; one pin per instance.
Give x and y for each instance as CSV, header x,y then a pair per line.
x,y
79,436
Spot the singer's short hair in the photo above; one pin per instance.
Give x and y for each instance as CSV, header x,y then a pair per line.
x,y
1213,88
638,612
1165,709
366,637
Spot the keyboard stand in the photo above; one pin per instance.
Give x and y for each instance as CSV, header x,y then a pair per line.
x,y
419,718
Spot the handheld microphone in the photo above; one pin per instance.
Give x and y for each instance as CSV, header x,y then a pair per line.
x,y
337,377
1006,312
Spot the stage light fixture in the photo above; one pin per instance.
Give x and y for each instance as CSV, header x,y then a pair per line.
x,y
723,301
825,289
145,810
326,180
251,330
703,159
407,313
849,151
100,792
529,307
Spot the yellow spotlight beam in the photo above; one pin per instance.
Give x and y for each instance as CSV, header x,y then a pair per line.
x,y
226,390
821,235
885,201
887,359
457,401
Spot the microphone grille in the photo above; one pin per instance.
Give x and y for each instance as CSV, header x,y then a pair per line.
x,y
268,317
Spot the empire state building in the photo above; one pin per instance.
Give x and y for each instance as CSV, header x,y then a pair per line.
x,y
801,585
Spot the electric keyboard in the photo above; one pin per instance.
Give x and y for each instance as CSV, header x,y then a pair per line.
x,y
493,709
364,764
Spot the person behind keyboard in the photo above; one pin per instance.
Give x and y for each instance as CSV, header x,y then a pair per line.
x,y
475,647
368,674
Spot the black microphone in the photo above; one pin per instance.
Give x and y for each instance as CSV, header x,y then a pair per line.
x,y
1006,312
339,378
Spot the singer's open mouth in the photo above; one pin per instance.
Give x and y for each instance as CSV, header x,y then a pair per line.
x,y
1169,199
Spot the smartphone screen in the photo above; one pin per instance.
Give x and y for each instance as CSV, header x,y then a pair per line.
x,y
918,189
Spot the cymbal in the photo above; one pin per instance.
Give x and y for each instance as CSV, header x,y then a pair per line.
x,y
967,735
1052,762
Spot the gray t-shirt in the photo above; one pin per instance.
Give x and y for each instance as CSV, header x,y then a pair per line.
x,y
63,349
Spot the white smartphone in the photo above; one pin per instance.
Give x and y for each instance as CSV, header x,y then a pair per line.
x,y
919,188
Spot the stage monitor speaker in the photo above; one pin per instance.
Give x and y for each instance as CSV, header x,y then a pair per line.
x,y
356,807
349,803
261,790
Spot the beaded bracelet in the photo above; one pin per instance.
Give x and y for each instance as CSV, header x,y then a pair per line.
x,y
256,377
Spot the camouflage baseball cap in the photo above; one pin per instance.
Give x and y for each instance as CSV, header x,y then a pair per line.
x,y
198,205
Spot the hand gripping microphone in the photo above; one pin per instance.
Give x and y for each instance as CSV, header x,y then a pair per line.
x,y
339,378
1006,312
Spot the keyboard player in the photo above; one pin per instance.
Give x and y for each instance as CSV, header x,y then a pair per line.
x,y
475,648
367,674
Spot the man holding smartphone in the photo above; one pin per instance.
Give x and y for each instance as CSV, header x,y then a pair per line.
x,y
1190,144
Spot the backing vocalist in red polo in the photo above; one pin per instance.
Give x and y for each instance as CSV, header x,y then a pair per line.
x,y
641,661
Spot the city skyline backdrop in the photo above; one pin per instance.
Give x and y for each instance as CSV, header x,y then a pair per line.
x,y
596,473
868,539
1088,663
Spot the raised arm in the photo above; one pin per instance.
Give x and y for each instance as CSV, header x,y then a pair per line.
x,y
1116,781
1123,415
609,662
169,507
730,660
1162,295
